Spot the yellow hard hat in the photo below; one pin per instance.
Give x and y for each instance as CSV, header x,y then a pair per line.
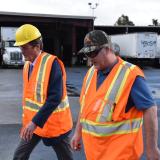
x,y
25,34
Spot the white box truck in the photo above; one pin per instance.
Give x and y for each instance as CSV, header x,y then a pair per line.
x,y
136,45
158,51
10,55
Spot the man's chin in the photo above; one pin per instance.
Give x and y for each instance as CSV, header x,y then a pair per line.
x,y
96,66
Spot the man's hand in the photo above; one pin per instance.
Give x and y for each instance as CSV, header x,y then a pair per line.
x,y
153,154
27,131
75,141
151,132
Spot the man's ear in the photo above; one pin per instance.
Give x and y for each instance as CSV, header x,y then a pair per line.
x,y
38,47
115,48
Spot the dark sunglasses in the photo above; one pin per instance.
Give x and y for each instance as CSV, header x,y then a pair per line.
x,y
93,54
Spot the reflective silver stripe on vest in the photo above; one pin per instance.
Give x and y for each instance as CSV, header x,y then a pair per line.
x,y
109,107
105,116
32,105
40,76
89,78
64,103
108,130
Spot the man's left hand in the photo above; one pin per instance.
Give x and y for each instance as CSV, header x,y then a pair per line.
x,y
27,131
153,154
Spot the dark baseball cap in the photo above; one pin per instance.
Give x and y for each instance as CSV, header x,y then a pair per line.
x,y
95,40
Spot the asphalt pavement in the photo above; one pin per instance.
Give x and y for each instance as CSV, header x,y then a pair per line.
x,y
10,109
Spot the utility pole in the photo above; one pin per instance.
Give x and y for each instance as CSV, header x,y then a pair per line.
x,y
93,7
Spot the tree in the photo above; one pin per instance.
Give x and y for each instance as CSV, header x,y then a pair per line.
x,y
155,22
124,20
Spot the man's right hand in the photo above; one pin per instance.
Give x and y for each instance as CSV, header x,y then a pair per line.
x,y
27,131
75,141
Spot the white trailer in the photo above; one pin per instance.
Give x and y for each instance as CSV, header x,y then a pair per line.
x,y
158,47
136,45
10,55
8,33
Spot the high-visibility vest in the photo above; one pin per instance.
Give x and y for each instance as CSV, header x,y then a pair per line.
x,y
35,94
108,132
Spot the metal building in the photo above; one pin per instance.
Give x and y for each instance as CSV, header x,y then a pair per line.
x,y
62,35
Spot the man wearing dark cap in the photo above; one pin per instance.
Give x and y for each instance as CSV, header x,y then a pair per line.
x,y
115,100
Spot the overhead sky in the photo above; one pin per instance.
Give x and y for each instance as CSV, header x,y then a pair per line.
x,y
141,12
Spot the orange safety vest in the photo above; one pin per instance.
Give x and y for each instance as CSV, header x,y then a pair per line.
x,y
35,94
108,132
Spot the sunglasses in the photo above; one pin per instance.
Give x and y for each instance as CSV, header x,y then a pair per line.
x,y
93,54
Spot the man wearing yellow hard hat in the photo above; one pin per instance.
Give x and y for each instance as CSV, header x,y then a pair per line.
x,y
46,112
